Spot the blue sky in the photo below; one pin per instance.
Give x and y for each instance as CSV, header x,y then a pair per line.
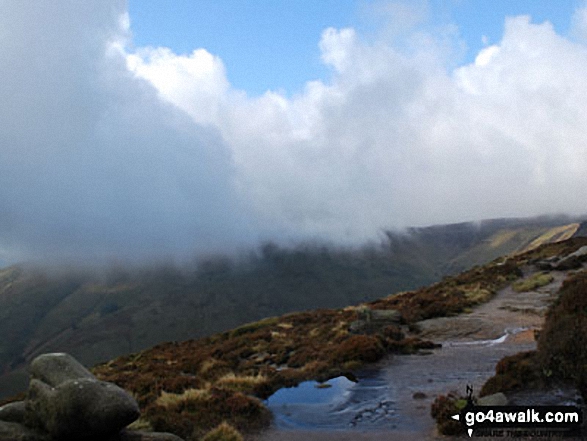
x,y
264,44
273,44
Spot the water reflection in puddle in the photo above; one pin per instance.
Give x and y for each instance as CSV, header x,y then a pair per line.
x,y
312,392
337,404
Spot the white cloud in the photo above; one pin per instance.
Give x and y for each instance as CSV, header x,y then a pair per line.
x,y
393,139
579,24
484,57
199,80
97,160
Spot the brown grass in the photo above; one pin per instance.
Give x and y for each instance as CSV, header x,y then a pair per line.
x,y
251,362
454,294
224,432
442,409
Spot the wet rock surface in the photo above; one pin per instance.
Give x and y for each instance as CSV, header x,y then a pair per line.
x,y
66,402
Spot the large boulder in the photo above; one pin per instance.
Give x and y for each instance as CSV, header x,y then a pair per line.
x,y
66,402
86,408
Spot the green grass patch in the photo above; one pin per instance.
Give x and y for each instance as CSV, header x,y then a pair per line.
x,y
533,282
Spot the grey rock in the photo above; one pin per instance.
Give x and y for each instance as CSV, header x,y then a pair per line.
x,y
19,432
56,368
357,326
147,436
13,412
66,402
381,316
84,408
581,252
497,399
572,261
373,320
386,316
568,263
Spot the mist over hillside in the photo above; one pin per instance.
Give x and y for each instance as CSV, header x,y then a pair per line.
x,y
96,315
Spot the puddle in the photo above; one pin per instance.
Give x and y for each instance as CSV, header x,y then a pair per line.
x,y
312,392
311,404
394,394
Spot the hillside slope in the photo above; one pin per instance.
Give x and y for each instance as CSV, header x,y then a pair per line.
x,y
97,317
190,387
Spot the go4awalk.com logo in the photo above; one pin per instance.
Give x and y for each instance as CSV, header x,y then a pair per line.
x,y
520,421
517,421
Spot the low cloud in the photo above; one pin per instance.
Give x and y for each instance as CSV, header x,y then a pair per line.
x,y
107,151
94,164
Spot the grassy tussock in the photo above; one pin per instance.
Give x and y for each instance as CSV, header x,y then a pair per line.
x,y
141,424
442,410
170,400
533,282
513,373
243,383
224,432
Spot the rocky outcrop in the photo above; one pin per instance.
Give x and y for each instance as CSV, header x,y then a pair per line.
x,y
571,261
66,402
373,320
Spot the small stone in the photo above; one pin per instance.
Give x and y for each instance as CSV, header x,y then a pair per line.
x,y
419,396
498,399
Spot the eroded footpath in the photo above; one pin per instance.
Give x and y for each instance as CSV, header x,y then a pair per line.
x,y
392,398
